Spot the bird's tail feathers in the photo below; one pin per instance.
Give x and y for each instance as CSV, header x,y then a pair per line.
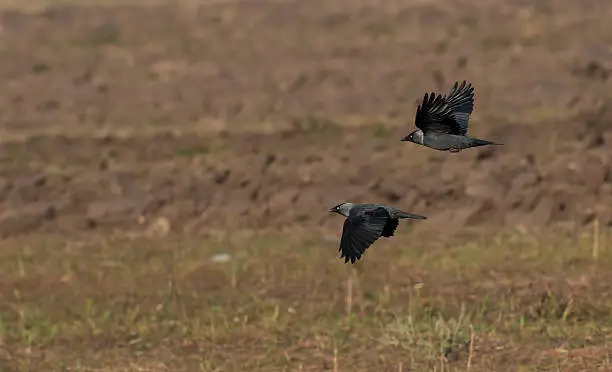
x,y
481,142
402,214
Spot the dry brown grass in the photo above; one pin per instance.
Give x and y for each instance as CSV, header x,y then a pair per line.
x,y
512,302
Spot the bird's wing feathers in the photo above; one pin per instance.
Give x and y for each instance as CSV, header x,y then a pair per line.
x,y
461,101
361,230
390,228
446,114
433,113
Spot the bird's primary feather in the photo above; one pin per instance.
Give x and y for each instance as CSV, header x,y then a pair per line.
x,y
360,231
432,113
446,114
461,101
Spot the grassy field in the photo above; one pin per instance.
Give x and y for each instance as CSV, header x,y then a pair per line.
x,y
284,302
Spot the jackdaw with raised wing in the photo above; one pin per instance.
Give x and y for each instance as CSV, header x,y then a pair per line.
x,y
364,224
442,121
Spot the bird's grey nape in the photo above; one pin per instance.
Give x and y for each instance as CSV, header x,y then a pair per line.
x,y
417,136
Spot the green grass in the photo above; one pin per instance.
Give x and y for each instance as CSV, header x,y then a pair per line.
x,y
288,303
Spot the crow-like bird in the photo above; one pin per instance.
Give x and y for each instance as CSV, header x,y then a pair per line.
x,y
364,224
442,121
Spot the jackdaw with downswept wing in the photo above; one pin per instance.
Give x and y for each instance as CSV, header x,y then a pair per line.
x,y
364,224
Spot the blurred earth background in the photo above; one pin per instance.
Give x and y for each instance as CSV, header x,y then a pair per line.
x,y
166,167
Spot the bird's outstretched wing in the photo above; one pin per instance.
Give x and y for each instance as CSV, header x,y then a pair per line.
x,y
446,114
360,231
461,101
434,115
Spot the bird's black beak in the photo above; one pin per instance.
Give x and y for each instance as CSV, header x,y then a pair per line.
x,y
407,138
332,210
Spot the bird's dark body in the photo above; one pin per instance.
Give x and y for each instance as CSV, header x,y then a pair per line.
x,y
452,142
442,121
391,215
364,224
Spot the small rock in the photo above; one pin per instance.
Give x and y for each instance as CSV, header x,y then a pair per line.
x,y
221,257
158,228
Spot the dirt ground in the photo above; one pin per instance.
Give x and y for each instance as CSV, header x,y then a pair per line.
x,y
215,117
194,117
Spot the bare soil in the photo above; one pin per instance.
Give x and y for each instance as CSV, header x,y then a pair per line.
x,y
266,113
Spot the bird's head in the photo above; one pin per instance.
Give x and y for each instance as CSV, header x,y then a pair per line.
x,y
415,136
342,209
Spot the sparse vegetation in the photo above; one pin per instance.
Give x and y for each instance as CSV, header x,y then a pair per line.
x,y
286,302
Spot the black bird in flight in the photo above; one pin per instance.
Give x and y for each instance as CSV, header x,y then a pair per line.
x,y
364,224
442,121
